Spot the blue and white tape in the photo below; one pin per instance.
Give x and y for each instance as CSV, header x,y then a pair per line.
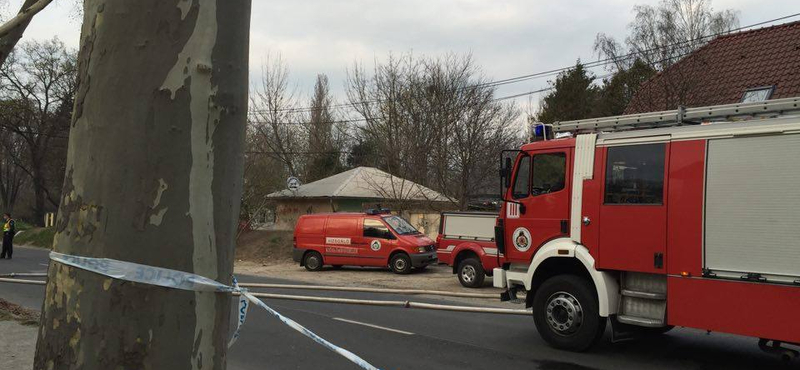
x,y
241,312
174,279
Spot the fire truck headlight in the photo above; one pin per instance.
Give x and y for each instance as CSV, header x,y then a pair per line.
x,y
421,249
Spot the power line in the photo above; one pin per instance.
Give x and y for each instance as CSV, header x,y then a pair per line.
x,y
522,78
502,98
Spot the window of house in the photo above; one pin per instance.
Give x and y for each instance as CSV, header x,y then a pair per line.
x,y
522,182
635,174
376,229
758,94
549,173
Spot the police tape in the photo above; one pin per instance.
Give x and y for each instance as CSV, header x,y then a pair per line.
x,y
167,278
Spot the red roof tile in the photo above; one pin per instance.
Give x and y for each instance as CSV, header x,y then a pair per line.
x,y
721,71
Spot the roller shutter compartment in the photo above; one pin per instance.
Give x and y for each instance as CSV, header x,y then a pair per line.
x,y
752,210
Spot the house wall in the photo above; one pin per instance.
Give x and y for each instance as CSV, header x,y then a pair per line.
x,y
425,222
287,212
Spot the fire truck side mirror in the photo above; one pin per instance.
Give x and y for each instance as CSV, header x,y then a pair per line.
x,y
506,173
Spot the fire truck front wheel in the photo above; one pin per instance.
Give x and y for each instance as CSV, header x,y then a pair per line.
x,y
565,310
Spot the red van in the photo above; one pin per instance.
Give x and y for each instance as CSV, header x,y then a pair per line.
x,y
373,238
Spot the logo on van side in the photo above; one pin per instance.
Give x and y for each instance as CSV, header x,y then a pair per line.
x,y
345,241
375,245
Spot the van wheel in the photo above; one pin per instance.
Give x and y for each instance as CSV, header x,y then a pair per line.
x,y
470,273
313,261
400,263
565,311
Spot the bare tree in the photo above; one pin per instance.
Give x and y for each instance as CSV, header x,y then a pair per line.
x,y
393,123
37,85
275,115
434,121
661,36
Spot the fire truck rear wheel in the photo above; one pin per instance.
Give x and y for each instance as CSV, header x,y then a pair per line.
x,y
565,310
400,264
313,261
470,273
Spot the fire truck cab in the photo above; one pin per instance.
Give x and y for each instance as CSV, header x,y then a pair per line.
x,y
679,218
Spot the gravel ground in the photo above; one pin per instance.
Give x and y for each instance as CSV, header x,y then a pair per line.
x,y
438,277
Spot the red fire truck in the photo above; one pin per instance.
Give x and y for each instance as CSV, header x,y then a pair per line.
x,y
466,243
679,218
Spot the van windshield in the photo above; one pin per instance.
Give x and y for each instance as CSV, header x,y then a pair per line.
x,y
400,225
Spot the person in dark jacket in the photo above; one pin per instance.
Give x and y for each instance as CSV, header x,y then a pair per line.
x,y
9,229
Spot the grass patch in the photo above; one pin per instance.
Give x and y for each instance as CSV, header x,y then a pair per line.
x,y
23,226
36,237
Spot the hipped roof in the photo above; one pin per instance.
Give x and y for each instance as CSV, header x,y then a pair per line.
x,y
364,183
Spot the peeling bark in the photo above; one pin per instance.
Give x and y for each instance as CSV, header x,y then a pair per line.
x,y
154,176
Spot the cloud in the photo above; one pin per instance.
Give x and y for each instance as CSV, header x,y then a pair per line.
x,y
506,37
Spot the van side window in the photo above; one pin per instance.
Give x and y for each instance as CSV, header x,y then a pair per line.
x,y
635,174
549,173
523,179
376,229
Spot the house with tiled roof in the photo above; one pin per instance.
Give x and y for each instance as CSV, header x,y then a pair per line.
x,y
747,66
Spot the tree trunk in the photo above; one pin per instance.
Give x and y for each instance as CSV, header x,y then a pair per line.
x,y
37,180
154,176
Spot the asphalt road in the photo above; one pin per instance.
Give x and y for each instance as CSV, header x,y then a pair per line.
x,y
394,338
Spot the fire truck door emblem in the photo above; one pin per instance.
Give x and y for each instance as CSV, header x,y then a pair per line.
x,y
521,239
375,245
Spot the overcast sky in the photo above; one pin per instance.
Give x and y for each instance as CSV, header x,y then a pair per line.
x,y
506,37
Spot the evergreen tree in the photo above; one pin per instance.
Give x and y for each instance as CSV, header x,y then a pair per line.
x,y
573,96
618,90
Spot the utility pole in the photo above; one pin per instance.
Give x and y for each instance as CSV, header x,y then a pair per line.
x,y
154,176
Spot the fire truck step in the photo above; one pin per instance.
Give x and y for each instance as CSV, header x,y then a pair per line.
x,y
643,300
645,295
640,321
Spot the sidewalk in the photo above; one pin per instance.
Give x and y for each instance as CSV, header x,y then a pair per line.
x,y
17,344
18,330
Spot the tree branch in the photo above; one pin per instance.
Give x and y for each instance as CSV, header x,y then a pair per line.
x,y
11,31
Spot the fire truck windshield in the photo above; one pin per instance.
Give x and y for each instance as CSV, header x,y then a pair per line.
x,y
400,225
